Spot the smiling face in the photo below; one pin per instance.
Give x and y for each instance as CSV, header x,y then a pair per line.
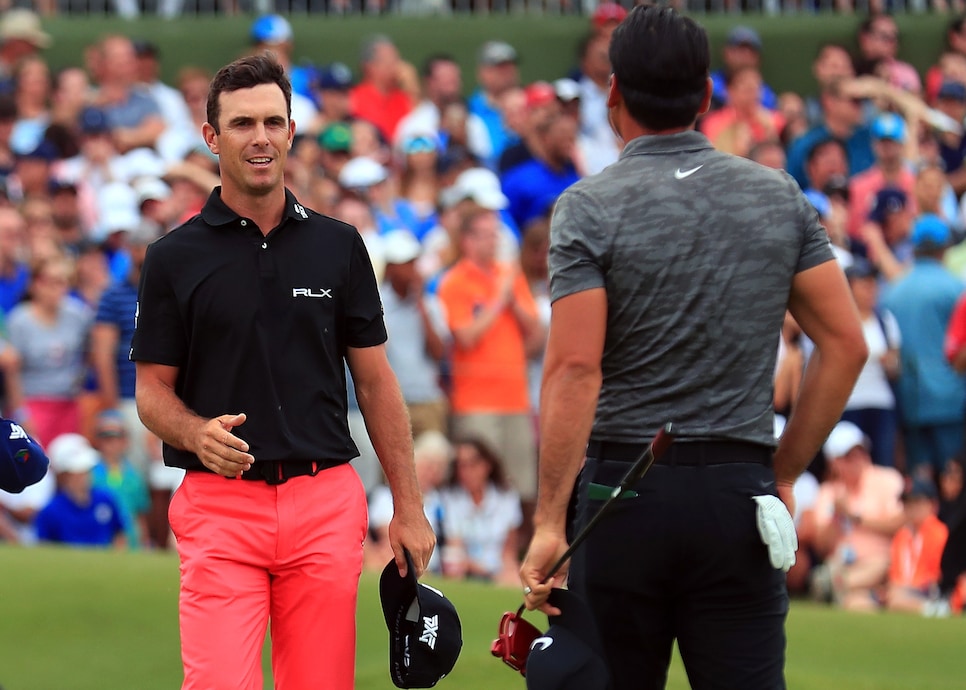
x,y
253,141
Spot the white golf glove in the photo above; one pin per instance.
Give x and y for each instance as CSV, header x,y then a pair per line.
x,y
777,531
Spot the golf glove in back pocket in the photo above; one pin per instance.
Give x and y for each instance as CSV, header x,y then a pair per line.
x,y
777,531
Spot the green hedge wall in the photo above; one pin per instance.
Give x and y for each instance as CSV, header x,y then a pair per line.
x,y
547,45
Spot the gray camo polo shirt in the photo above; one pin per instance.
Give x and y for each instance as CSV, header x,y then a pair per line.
x,y
697,250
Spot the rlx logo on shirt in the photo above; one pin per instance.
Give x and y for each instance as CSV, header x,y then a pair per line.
x,y
312,292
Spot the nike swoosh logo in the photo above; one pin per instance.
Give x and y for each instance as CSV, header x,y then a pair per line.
x,y
681,174
541,643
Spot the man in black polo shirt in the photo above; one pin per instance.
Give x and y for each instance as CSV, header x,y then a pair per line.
x,y
671,272
245,316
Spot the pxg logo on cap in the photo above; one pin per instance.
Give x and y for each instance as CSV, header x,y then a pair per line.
x,y
425,635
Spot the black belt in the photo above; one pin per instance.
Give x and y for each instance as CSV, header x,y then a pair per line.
x,y
690,453
278,472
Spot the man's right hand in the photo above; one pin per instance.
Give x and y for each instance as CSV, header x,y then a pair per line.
x,y
221,451
546,547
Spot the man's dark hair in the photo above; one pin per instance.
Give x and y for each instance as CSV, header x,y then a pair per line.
x,y
429,64
660,61
822,144
246,73
955,26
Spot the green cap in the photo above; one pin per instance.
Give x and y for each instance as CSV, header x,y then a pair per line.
x,y
336,137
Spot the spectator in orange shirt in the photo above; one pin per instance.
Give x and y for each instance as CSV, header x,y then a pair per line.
x,y
916,551
379,97
493,319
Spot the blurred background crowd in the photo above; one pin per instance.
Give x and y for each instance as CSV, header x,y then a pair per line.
x,y
451,177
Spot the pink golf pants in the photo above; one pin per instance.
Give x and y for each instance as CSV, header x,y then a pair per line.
x,y
252,552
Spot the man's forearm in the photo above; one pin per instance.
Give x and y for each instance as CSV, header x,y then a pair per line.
x,y
387,423
166,415
826,386
568,400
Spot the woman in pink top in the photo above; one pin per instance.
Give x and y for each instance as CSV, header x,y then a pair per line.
x,y
857,512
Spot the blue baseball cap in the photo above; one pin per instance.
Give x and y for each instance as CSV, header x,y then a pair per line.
x,y
952,90
22,460
930,230
744,36
94,121
819,201
272,29
888,200
889,126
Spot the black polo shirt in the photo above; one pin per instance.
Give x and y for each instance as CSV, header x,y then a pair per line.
x,y
260,325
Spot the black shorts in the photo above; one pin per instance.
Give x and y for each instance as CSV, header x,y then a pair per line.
x,y
683,560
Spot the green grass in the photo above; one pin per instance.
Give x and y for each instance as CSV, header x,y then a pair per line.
x,y
76,620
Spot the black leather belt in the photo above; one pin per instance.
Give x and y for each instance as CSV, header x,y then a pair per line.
x,y
689,453
278,472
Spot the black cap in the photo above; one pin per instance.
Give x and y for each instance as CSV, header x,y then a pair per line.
x,y
425,636
570,655
920,487
860,268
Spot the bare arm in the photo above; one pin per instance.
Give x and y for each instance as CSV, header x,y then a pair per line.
x,y
104,339
568,400
822,304
387,422
145,134
166,415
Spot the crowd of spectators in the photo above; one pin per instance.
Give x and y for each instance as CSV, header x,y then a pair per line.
x,y
453,198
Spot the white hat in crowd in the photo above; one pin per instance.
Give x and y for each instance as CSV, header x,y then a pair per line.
x,y
844,437
480,185
117,210
361,173
71,453
24,25
400,247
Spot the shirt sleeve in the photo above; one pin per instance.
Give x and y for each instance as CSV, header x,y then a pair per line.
x,y
578,245
159,331
365,326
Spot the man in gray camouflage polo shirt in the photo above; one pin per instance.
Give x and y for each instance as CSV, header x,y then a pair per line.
x,y
671,272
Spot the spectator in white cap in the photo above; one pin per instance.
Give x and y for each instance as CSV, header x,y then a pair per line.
x,y
418,334
21,36
479,189
856,514
369,181
496,73
79,514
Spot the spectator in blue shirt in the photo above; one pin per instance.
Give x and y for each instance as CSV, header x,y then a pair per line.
x,y
532,187
111,342
78,514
